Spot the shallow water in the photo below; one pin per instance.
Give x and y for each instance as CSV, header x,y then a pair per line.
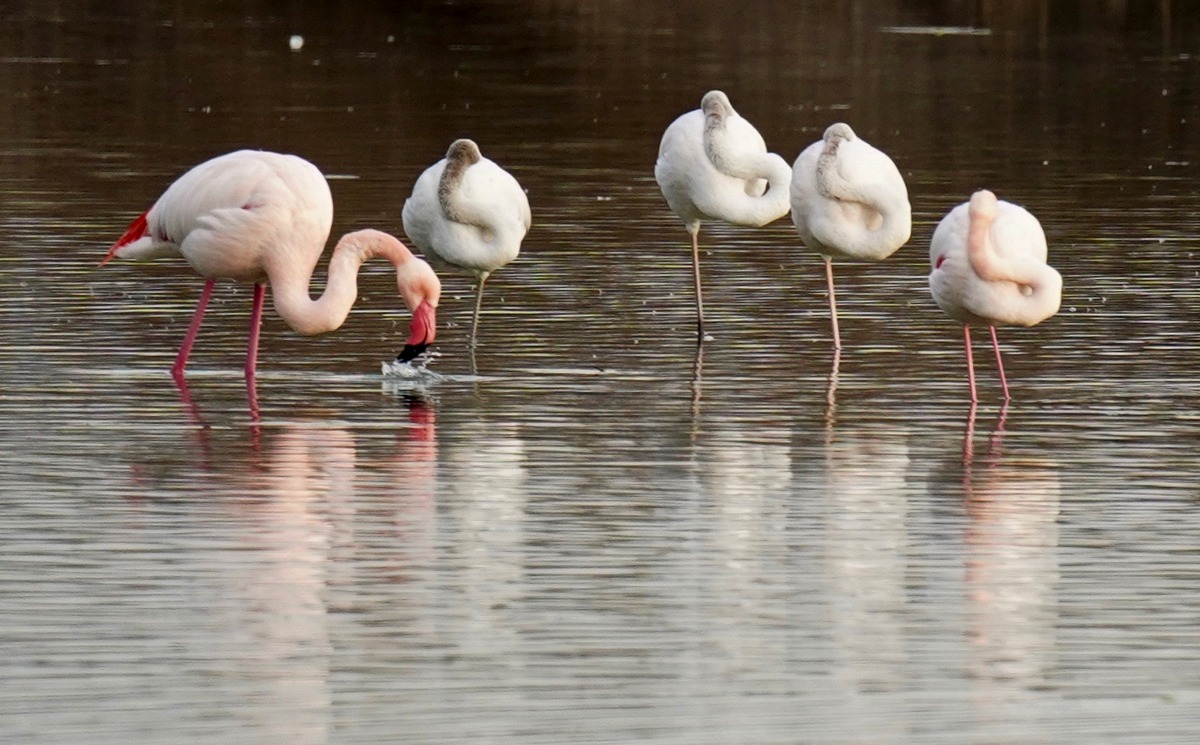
x,y
585,532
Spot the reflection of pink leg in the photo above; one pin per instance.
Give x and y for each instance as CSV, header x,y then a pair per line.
x,y
837,337
260,294
185,350
969,444
970,363
999,363
255,421
997,439
186,397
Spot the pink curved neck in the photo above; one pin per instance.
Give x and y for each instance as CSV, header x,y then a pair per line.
x,y
328,312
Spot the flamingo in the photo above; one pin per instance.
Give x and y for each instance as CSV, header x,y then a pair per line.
x,y
849,201
713,165
263,218
988,267
468,214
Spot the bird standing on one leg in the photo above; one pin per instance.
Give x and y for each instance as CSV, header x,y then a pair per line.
x,y
468,214
849,201
713,165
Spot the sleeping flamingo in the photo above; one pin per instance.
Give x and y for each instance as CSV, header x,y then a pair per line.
x,y
469,214
848,201
263,218
988,261
713,165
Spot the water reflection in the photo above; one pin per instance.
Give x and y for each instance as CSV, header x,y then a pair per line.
x,y
302,505
747,481
485,507
866,545
1012,574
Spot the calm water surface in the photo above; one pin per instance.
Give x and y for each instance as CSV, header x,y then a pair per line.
x,y
587,533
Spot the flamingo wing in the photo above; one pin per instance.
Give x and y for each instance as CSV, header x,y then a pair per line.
x,y
226,214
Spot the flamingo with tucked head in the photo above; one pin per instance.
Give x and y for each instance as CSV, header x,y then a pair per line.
x,y
468,214
988,267
263,218
714,165
849,201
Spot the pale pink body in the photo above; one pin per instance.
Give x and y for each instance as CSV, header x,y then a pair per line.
x,y
988,267
264,218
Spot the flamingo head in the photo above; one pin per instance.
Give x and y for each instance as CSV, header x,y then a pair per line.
x,y
422,333
421,290
715,105
983,205
465,151
835,135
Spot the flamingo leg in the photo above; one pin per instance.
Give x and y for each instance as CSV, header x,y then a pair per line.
x,y
1000,364
837,337
970,364
478,304
699,295
189,340
260,294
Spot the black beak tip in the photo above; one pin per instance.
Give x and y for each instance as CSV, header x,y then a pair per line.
x,y
411,352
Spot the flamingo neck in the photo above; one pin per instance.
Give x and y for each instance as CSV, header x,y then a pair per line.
x,y
758,207
1040,283
329,311
449,191
891,225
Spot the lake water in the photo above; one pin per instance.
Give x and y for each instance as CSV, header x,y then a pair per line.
x,y
587,532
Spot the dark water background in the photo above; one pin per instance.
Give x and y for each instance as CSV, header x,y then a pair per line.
x,y
600,537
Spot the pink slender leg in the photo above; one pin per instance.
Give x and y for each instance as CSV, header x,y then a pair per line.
x,y
970,363
260,294
189,341
837,337
1000,364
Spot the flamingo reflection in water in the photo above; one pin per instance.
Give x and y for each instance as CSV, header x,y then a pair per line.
x,y
1011,540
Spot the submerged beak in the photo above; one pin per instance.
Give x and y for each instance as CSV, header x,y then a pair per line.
x,y
422,332
411,352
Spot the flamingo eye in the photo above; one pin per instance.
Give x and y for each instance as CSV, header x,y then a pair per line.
x,y
938,263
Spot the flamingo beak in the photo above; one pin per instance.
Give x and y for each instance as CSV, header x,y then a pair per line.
x,y
411,352
422,332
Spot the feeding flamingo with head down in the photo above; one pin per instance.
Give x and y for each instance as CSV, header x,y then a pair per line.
x,y
849,201
988,267
714,165
263,218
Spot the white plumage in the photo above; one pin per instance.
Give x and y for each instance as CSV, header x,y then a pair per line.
x,y
468,214
714,165
849,201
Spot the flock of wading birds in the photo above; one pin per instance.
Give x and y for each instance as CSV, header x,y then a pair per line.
x,y
264,218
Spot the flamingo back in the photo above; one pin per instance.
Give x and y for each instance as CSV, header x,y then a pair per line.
x,y
1018,239
695,189
852,227
246,214
493,203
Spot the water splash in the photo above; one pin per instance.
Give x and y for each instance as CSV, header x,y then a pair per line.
x,y
416,371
